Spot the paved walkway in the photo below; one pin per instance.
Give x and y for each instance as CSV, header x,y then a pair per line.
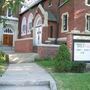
x,y
26,76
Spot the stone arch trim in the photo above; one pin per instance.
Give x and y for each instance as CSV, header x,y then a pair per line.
x,y
38,20
40,10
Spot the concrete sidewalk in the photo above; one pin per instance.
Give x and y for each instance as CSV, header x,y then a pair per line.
x,y
26,76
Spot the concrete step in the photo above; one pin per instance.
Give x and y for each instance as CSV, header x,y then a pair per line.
x,y
22,57
24,83
24,88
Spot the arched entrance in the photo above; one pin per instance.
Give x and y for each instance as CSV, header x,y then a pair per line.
x,y
37,31
8,36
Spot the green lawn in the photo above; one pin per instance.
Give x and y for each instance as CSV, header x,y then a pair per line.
x,y
68,81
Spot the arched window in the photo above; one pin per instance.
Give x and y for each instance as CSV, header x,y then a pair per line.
x,y
38,21
30,25
23,26
8,30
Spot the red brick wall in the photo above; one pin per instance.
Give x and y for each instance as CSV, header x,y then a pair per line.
x,y
47,51
53,8
68,7
45,34
80,9
24,45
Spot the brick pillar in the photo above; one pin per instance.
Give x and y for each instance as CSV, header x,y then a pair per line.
x,y
70,41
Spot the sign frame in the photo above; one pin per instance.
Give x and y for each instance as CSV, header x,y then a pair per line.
x,y
82,41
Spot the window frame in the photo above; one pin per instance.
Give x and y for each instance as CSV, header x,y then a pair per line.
x,y
24,23
62,26
8,12
86,3
87,14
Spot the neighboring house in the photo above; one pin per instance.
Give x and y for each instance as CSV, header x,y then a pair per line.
x,y
8,30
48,21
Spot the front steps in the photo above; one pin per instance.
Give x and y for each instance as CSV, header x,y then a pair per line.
x,y
24,88
22,57
26,76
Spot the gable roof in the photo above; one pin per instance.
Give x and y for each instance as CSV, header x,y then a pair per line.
x,y
29,5
51,16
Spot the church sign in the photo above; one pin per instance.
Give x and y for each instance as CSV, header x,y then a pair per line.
x,y
81,48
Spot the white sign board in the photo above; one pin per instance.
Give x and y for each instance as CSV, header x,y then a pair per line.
x,y
81,51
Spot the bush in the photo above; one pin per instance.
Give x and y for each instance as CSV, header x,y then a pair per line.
x,y
4,58
78,67
63,61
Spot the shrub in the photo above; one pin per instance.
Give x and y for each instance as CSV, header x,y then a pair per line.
x,y
78,67
4,58
63,61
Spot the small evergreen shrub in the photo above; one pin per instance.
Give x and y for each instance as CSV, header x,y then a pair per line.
x,y
4,58
62,59
63,62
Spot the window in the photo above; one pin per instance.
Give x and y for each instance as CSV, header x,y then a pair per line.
x,y
87,2
65,22
23,26
51,31
8,30
88,22
30,24
9,12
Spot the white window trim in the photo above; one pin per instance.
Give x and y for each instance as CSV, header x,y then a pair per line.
x,y
7,13
87,14
23,23
28,30
86,3
50,5
66,13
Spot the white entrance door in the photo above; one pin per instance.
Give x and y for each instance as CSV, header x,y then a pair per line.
x,y
38,35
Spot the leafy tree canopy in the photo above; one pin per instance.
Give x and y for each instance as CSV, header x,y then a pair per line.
x,y
13,4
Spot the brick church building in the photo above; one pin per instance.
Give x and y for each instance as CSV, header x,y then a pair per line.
x,y
48,22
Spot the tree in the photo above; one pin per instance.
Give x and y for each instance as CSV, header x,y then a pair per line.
x,y
13,4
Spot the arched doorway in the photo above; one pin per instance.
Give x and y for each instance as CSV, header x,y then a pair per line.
x,y
8,36
37,34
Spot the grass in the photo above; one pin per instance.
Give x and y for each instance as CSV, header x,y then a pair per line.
x,y
48,64
67,81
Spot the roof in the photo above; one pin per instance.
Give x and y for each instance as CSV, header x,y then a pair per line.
x,y
51,16
29,5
